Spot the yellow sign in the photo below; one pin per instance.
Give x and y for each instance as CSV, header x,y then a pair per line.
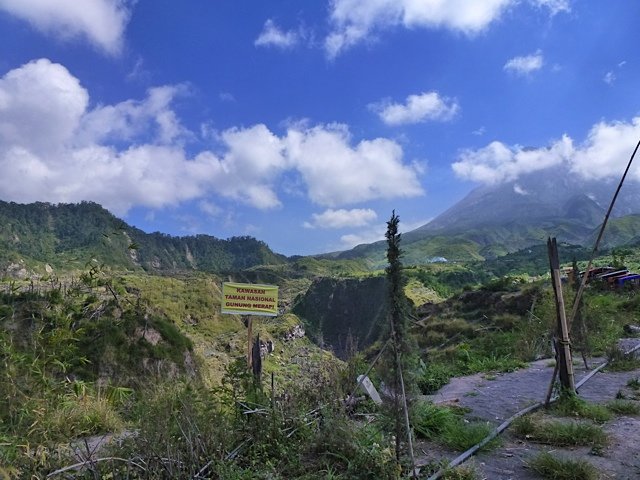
x,y
250,299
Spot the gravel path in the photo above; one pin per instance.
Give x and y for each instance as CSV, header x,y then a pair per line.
x,y
494,398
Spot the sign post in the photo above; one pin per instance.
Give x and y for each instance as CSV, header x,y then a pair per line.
x,y
249,299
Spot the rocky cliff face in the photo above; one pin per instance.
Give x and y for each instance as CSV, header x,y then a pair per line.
x,y
343,314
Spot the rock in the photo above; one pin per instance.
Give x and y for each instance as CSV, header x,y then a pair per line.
x,y
368,387
296,332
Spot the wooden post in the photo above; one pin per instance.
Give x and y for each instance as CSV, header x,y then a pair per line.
x,y
563,345
249,340
256,360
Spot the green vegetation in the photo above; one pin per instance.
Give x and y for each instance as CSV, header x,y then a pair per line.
x,y
555,468
447,426
100,346
461,472
67,236
634,383
624,407
559,432
60,346
571,405
621,362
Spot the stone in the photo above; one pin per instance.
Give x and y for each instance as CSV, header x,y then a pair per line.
x,y
368,387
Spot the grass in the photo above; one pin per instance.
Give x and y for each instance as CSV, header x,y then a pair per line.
x,y
570,405
433,376
560,433
446,425
624,407
461,472
88,415
557,468
634,383
619,362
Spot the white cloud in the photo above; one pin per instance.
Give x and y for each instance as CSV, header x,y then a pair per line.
x,y
354,21
101,21
497,162
357,21
609,78
338,174
272,36
526,64
607,149
132,119
479,131
342,218
133,153
209,208
417,108
604,154
519,190
40,97
554,6
370,235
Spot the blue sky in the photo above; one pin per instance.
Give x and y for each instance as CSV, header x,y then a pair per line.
x,y
305,124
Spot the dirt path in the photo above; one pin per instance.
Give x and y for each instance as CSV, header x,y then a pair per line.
x,y
494,398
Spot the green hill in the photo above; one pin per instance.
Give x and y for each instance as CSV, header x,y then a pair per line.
x,y
68,236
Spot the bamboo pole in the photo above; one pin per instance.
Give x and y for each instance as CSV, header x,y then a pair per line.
x,y
565,369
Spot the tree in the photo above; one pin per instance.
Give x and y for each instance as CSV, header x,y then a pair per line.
x,y
398,315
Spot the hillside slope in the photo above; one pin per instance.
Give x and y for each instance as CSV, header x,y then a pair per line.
x,y
70,235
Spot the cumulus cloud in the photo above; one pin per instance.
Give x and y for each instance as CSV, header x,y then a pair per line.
x,y
272,36
130,119
102,22
498,162
607,149
54,148
526,64
416,109
342,218
604,154
355,21
337,173
40,97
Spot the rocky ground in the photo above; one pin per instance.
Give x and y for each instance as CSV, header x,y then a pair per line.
x,y
494,398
